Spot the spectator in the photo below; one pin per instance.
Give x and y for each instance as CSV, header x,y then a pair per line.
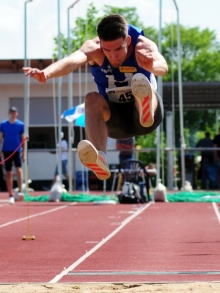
x,y
64,159
216,144
126,149
11,135
126,153
207,159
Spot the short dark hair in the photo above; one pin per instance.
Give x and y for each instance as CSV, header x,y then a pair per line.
x,y
112,27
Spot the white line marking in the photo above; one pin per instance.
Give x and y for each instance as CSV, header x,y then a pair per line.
x,y
216,211
35,215
91,251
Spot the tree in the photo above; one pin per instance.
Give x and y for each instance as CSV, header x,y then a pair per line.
x,y
85,28
147,141
200,60
199,53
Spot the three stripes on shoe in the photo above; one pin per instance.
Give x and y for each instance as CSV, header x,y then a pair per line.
x,y
146,108
96,168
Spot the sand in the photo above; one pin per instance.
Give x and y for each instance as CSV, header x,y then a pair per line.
x,y
198,287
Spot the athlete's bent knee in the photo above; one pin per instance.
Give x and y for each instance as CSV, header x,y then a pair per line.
x,y
95,102
95,99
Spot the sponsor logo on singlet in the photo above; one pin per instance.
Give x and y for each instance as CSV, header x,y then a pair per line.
x,y
127,69
107,70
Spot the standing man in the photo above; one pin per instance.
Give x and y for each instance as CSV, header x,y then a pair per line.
x,y
207,158
123,63
11,135
64,160
125,146
216,144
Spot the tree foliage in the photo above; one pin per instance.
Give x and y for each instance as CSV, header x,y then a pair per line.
x,y
200,58
85,28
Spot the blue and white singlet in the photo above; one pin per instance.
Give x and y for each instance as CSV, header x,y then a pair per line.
x,y
115,83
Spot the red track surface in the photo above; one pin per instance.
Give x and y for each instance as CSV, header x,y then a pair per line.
x,y
162,242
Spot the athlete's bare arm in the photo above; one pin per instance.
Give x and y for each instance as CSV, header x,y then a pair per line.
x,y
89,52
149,58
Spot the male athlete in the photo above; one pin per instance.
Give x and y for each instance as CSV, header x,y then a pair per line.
x,y
123,63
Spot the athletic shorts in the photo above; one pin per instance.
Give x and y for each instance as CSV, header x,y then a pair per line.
x,y
15,158
64,168
124,121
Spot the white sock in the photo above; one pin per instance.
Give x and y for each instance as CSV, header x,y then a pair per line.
x,y
103,154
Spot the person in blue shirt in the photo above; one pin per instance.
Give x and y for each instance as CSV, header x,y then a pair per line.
x,y
125,146
11,135
124,64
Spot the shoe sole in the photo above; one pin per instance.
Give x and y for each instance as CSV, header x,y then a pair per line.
x,y
142,92
89,157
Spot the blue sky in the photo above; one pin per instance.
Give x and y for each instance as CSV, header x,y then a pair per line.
x,y
42,21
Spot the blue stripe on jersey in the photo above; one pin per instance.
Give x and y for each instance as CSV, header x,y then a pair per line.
x,y
106,76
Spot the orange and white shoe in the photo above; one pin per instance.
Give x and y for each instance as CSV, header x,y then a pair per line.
x,y
92,159
142,92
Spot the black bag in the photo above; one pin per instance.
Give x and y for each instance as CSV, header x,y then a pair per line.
x,y
130,193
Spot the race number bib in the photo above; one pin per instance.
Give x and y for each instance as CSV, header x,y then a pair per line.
x,y
120,94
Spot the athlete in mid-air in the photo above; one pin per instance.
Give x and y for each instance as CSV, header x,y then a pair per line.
x,y
124,64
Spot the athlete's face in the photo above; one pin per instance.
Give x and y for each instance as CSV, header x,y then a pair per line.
x,y
116,51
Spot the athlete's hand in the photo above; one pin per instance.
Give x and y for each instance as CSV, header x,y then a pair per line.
x,y
35,73
145,59
152,61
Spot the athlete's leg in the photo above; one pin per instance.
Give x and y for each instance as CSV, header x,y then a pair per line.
x,y
97,113
92,152
145,99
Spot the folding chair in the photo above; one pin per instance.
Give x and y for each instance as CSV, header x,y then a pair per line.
x,y
134,171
